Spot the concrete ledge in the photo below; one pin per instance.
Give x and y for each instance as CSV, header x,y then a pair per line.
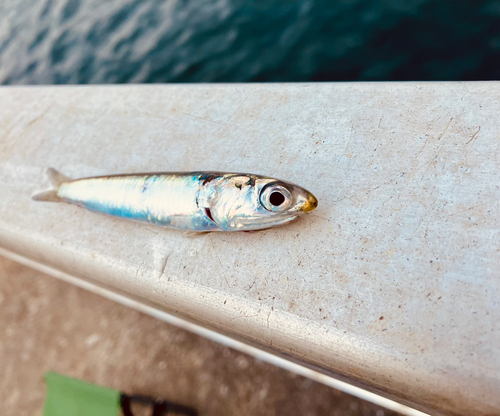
x,y
393,282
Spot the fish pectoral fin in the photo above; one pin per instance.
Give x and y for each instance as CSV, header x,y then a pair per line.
x,y
48,196
56,178
195,234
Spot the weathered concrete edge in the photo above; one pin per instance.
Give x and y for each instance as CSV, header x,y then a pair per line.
x,y
174,307
217,337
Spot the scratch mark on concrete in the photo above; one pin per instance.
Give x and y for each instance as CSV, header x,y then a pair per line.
x,y
227,282
482,154
220,262
244,316
270,311
258,239
467,209
6,133
428,164
104,114
165,264
203,119
36,119
215,250
474,136
236,111
445,129
421,150
416,228
349,155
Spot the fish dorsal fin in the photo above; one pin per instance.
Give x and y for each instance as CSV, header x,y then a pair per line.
x,y
56,178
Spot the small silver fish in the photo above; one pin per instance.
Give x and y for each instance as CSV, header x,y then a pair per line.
x,y
195,201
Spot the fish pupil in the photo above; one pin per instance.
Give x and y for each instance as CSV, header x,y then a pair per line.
x,y
276,199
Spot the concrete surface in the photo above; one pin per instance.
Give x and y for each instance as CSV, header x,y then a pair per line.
x,y
393,282
47,325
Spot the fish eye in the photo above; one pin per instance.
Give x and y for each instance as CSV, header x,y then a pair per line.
x,y
275,198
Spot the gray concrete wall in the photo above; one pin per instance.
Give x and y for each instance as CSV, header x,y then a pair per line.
x,y
49,325
393,282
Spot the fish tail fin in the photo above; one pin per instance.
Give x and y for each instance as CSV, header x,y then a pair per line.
x,y
48,196
56,179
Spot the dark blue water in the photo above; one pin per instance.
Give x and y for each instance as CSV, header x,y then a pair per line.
x,y
119,41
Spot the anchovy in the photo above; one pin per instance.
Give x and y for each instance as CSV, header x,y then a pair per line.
x,y
196,201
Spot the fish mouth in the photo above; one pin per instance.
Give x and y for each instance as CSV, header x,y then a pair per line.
x,y
310,203
257,223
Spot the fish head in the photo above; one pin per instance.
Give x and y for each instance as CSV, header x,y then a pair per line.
x,y
241,202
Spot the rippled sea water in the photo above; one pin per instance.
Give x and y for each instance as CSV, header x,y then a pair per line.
x,y
119,41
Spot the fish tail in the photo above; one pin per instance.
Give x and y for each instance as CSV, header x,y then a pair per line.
x,y
48,196
56,179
